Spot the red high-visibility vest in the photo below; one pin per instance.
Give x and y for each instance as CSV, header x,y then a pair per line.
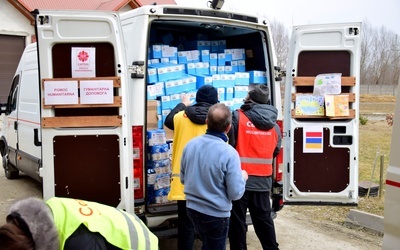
x,y
255,147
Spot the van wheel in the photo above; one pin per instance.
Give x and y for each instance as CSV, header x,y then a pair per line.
x,y
9,171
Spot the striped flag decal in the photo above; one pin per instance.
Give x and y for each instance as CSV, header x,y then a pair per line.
x,y
313,140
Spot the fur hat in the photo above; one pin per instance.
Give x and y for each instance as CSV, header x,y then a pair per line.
x,y
39,218
207,93
260,93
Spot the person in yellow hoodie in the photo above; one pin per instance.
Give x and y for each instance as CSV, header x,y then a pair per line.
x,y
65,223
187,121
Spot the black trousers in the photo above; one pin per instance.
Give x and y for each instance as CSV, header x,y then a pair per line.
x,y
259,206
186,232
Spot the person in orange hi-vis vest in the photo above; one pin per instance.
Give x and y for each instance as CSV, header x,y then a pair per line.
x,y
257,138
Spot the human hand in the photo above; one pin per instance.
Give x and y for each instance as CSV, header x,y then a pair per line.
x,y
186,99
245,175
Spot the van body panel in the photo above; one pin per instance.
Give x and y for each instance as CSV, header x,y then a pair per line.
x,y
328,175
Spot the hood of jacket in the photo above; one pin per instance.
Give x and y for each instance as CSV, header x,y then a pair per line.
x,y
197,113
263,116
39,218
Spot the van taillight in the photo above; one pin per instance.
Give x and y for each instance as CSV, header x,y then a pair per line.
x,y
279,158
137,137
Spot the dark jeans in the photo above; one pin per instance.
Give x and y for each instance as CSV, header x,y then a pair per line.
x,y
186,233
212,230
259,207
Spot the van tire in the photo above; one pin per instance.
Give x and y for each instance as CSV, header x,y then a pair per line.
x,y
9,171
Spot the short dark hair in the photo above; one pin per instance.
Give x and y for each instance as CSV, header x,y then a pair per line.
x,y
219,117
12,237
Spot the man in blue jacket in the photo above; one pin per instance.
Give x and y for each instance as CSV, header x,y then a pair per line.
x,y
211,173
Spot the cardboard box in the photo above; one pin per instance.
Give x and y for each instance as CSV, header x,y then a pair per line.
x,y
337,105
309,104
152,116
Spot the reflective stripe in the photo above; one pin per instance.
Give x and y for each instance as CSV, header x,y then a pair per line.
x,y
255,160
132,231
175,175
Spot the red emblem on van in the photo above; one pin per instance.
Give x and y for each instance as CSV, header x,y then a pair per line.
x,y
83,56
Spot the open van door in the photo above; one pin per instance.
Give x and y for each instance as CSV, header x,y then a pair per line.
x,y
322,115
86,141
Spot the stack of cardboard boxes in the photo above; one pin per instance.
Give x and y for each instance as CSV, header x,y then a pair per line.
x,y
172,73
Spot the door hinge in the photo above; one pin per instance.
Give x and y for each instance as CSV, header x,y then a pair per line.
x,y
137,69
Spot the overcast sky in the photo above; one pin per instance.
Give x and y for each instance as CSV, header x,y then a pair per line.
x,y
298,12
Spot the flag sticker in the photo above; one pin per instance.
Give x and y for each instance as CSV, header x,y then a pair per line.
x,y
313,139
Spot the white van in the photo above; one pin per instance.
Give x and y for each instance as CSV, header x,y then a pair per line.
x,y
92,118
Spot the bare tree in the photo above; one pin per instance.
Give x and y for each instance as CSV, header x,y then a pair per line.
x,y
380,56
281,42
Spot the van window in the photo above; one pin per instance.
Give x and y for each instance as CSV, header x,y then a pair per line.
x,y
13,96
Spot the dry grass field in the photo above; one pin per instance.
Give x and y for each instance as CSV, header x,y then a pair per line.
x,y
374,142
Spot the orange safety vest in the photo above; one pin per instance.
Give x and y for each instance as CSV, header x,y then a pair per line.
x,y
255,147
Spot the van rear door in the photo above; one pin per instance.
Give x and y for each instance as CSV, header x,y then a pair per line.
x,y
321,161
85,137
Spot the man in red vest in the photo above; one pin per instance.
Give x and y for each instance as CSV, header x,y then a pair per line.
x,y
257,138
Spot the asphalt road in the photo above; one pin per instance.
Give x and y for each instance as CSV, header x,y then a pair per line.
x,y
294,230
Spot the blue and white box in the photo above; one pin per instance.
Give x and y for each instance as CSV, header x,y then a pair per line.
x,y
231,80
160,166
175,100
164,114
151,92
242,78
237,103
164,60
159,107
193,56
169,52
214,46
213,70
203,80
213,59
170,87
182,57
229,93
257,76
160,123
228,55
205,55
221,93
228,70
240,92
156,137
238,54
217,82
152,75
154,60
221,59
221,45
234,65
156,51
158,152
191,68
241,65
165,102
220,70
